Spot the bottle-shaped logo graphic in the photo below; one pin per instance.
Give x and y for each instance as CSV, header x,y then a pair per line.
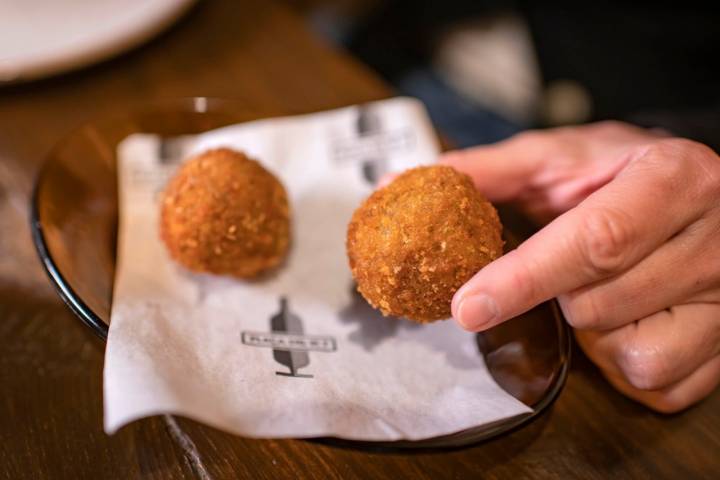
x,y
368,124
287,322
289,344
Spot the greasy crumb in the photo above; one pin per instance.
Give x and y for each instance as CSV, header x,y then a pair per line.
x,y
413,243
223,213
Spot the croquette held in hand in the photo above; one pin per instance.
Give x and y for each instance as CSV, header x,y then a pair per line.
x,y
413,243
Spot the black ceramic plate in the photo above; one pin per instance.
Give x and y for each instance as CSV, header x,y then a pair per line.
x,y
74,225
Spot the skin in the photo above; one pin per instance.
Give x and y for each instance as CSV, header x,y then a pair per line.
x,y
630,248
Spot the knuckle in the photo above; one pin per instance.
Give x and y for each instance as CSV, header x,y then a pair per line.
x,y
659,161
680,147
581,310
707,163
643,366
677,161
669,147
607,238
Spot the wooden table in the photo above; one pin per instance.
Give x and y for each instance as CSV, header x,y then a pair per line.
x,y
51,366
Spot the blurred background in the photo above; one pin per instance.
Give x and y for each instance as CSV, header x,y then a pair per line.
x,y
487,69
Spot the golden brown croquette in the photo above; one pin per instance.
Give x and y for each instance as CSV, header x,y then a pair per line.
x,y
413,243
223,213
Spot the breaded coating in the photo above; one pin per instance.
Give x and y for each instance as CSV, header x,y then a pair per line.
x,y
413,243
223,213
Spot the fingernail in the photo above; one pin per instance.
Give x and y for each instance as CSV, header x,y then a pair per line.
x,y
477,311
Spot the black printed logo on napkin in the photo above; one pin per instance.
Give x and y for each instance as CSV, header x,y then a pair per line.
x,y
291,347
372,144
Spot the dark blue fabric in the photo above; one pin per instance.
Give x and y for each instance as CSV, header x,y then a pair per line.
x,y
460,120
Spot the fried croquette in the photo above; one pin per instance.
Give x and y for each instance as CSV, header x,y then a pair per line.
x,y
223,213
413,243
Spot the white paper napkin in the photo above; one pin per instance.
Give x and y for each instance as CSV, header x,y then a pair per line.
x,y
298,354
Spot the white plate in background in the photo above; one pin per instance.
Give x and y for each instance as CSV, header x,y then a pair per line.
x,y
39,38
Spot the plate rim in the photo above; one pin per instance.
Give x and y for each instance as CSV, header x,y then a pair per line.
x,y
100,329
61,286
47,65
444,442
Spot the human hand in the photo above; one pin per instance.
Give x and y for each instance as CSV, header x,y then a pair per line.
x,y
631,251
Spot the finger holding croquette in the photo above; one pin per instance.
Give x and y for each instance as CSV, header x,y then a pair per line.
x,y
414,242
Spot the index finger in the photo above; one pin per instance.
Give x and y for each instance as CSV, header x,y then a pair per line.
x,y
610,231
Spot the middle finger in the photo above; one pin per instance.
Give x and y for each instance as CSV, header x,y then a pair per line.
x,y
660,349
671,275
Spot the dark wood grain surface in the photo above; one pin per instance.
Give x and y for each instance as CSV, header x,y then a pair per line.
x,y
51,366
